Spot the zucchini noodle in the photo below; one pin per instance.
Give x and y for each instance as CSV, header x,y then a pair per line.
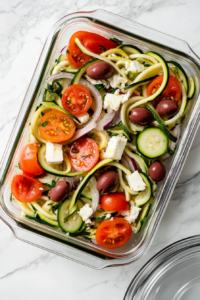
x,y
139,160
115,51
25,208
63,65
51,216
144,56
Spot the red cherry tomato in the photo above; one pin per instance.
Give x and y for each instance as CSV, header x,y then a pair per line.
x,y
89,40
25,188
113,234
76,99
28,160
172,90
115,201
56,127
84,154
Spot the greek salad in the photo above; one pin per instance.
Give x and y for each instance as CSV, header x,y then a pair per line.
x,y
109,117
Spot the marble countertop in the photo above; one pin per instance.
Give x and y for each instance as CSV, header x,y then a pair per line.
x,y
32,273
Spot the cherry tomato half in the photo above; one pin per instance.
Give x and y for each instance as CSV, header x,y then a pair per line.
x,y
76,99
115,201
56,127
172,90
84,154
113,234
25,188
92,41
28,160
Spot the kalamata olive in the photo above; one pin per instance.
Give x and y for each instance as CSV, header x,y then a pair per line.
x,y
107,181
157,171
167,108
60,191
141,116
100,70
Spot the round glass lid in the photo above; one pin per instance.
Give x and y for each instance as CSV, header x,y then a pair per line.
x,y
172,274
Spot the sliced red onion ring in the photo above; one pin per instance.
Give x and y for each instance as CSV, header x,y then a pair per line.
x,y
94,242
95,194
14,204
124,162
63,49
131,163
117,117
97,106
106,121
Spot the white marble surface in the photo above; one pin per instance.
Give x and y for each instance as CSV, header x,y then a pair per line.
x,y
30,273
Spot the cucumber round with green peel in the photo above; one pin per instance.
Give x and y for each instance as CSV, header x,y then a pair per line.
x,y
125,131
191,89
161,123
82,70
144,196
85,181
68,221
130,49
50,169
152,142
180,73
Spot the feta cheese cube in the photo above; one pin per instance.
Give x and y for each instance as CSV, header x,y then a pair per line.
x,y
83,118
116,147
86,212
94,82
54,153
113,101
134,66
132,214
117,81
136,182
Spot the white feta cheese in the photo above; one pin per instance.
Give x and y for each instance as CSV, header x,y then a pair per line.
x,y
136,182
85,212
54,153
113,101
116,147
83,118
108,216
134,229
134,66
132,214
117,81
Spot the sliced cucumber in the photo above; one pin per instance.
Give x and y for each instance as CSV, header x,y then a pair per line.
x,y
101,138
125,131
82,70
37,115
152,142
139,160
130,49
144,196
50,169
161,123
85,181
68,221
180,73
138,83
144,214
191,89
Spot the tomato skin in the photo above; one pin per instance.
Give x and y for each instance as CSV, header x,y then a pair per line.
x,y
25,188
76,99
84,154
172,89
113,234
115,201
28,160
56,127
89,40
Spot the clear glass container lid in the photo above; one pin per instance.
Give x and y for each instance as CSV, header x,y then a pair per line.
x,y
172,274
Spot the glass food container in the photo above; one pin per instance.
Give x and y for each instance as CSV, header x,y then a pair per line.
x,y
53,240
173,274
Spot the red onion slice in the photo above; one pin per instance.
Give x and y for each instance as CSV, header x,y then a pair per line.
x,y
63,49
97,106
131,163
106,121
95,194
117,117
